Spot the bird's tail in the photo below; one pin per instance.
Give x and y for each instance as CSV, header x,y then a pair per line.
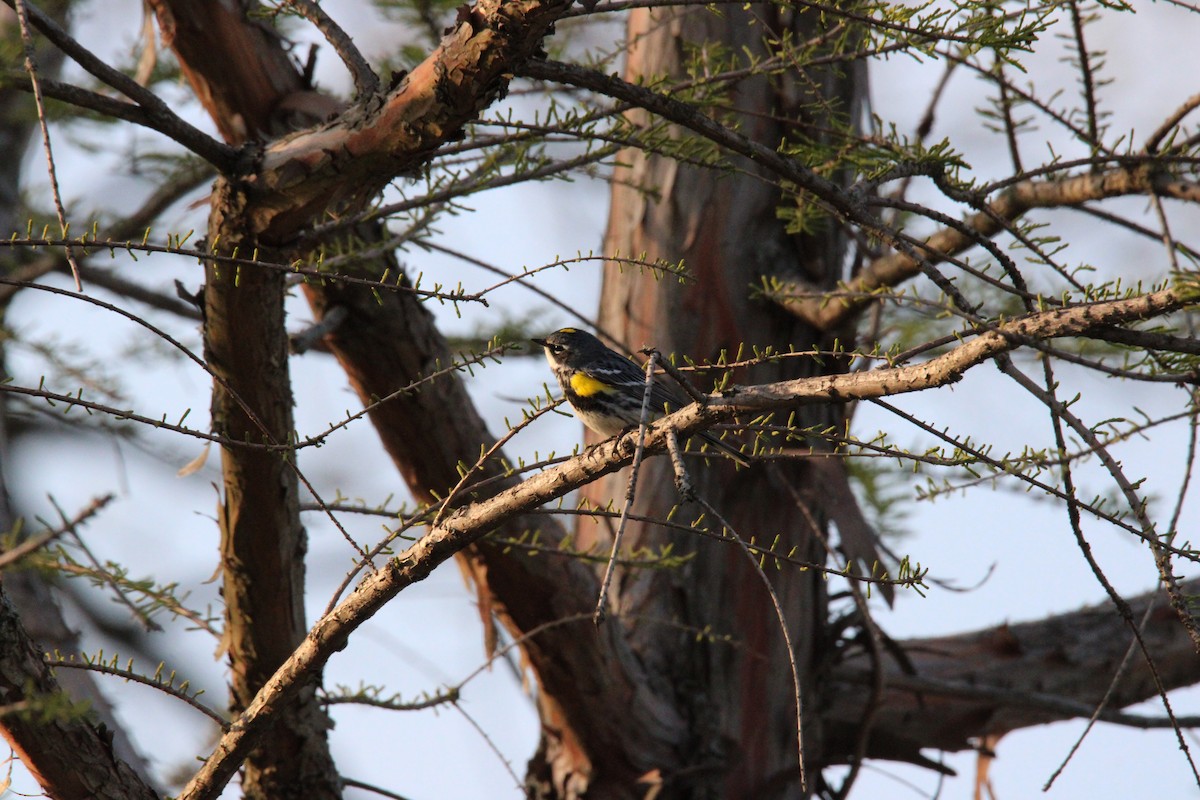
x,y
727,449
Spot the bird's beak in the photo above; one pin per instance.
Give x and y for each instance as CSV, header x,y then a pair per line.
x,y
540,342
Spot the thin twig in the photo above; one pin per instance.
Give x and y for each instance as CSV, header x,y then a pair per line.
x,y
438,508
1086,76
874,637
1073,514
137,677
31,68
874,640
270,444
464,189
1010,124
449,501
1059,414
915,578
669,368
602,601
491,744
218,153
682,484
368,787
393,704
549,297
1102,706
1168,125
366,82
41,540
397,284
189,176
147,622
1136,504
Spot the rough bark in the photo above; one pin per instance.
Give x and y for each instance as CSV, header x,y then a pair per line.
x,y
245,344
70,755
262,541
733,696
344,163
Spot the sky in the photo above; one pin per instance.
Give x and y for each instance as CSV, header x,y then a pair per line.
x,y
430,636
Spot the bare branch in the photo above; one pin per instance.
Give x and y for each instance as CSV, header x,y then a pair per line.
x,y
35,84
156,682
1011,676
33,544
220,155
602,601
366,82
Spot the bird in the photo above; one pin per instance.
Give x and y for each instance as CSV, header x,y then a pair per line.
x,y
605,389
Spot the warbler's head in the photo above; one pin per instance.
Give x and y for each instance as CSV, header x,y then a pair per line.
x,y
571,348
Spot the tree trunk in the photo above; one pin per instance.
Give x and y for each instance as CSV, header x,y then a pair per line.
x,y
732,685
263,543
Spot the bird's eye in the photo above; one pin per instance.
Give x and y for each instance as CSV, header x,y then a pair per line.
x,y
557,349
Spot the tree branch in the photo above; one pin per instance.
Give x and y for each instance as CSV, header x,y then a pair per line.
x,y
240,70
349,160
948,367
221,156
694,119
827,310
470,523
824,310
989,682
366,82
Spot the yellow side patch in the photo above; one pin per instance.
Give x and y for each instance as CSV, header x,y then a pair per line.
x,y
585,385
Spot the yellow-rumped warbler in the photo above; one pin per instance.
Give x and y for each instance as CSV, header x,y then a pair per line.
x,y
606,389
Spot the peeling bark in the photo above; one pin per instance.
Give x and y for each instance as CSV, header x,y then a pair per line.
x,y
262,541
245,345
